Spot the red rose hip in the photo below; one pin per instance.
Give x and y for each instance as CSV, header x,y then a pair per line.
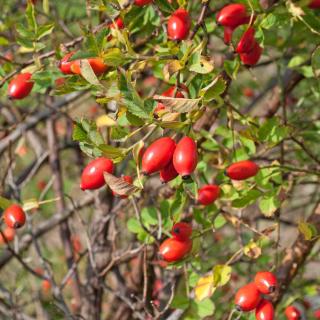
x,y
247,298
266,282
233,15
247,41
142,3
265,310
185,157
20,86
179,25
65,64
173,250
168,173
252,57
208,194
7,235
14,216
181,231
314,4
92,175
242,170
158,155
292,313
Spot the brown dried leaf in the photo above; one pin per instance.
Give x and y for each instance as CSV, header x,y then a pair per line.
x,y
119,186
180,105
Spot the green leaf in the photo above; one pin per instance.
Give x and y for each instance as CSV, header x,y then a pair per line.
x,y
88,73
232,67
4,203
308,230
205,308
31,17
119,133
114,57
46,6
79,134
315,62
268,21
245,200
213,90
191,187
268,204
131,98
180,302
134,226
297,61
3,41
116,154
24,32
201,64
149,216
44,31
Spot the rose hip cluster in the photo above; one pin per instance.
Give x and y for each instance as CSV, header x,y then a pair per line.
x,y
170,159
233,16
92,177
249,297
14,218
176,248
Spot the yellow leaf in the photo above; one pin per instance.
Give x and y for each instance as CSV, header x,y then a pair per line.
x,y
105,121
252,250
204,287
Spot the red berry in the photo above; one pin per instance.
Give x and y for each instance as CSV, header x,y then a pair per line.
x,y
158,155
247,41
314,4
65,64
20,86
265,310
141,3
7,235
252,57
266,282
242,170
14,216
185,157
227,35
247,298
92,175
248,92
208,194
168,173
317,314
292,313
76,243
46,286
181,231
127,179
118,22
97,65
232,15
173,250
181,92
179,25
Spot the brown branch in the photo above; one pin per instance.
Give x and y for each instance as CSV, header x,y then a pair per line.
x,y
295,256
35,118
65,232
44,228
